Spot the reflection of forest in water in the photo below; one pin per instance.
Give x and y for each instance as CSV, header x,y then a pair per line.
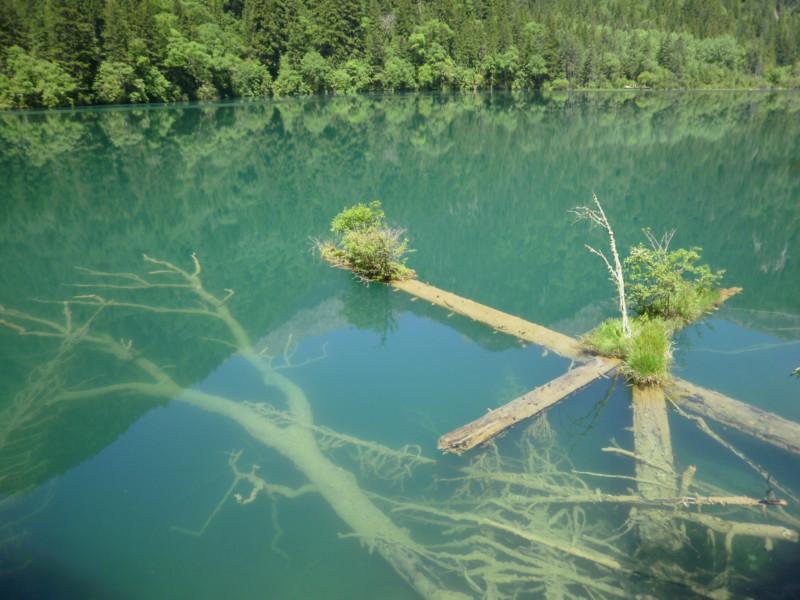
x,y
722,168
482,183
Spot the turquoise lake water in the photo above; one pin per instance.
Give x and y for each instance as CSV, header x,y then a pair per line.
x,y
108,482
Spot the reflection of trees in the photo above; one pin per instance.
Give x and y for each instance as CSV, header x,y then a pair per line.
x,y
499,169
482,182
502,526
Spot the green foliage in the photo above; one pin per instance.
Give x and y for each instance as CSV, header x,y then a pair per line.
x,y
646,355
163,50
315,71
31,81
289,80
353,77
670,284
608,339
649,357
398,74
359,218
367,245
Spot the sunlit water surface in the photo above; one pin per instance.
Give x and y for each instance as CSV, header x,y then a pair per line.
x,y
98,493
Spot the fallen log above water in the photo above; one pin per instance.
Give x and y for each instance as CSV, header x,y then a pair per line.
x,y
561,344
758,423
485,428
753,421
655,471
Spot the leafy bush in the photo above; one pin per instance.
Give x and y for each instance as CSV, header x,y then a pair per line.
x,y
670,284
366,245
646,355
289,80
398,74
315,71
34,81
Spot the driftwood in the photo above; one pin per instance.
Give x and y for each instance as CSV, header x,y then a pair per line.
x,y
758,423
532,403
655,472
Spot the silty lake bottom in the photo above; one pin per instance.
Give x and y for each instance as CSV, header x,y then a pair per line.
x,y
259,425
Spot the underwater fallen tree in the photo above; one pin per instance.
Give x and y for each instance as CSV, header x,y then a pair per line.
x,y
295,440
503,533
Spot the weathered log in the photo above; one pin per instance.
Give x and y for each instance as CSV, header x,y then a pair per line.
x,y
756,422
561,344
486,427
655,472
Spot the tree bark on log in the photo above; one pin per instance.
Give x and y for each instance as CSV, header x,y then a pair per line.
x,y
655,471
543,397
758,423
765,426
561,344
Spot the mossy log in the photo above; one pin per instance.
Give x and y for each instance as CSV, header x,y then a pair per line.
x,y
485,428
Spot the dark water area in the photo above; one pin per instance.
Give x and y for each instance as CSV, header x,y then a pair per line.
x,y
116,484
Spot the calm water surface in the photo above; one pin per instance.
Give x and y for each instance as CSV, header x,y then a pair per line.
x,y
114,487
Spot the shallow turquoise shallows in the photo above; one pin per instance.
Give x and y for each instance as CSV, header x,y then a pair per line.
x,y
135,404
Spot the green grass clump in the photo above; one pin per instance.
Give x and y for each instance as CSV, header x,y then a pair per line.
x,y
646,354
649,356
607,339
366,245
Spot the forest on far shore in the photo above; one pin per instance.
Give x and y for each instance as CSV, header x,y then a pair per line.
x,y
74,52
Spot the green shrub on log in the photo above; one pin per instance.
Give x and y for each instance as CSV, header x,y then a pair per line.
x,y
670,284
366,245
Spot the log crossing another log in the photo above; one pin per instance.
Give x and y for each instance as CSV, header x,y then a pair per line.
x,y
485,428
655,472
758,423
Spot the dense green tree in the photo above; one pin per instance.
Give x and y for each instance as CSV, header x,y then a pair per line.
x,y
339,32
71,41
164,50
33,81
267,25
